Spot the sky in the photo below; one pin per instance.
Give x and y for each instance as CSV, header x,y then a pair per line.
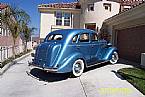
x,y
30,6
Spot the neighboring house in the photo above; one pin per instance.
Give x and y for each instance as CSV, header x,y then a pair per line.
x,y
83,14
128,32
35,41
6,40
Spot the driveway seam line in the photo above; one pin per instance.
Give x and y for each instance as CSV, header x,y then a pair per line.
x,y
83,87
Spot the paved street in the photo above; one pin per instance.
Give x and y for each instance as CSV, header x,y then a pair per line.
x,y
99,81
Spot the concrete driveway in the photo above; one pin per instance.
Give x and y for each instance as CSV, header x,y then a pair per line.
x,y
99,81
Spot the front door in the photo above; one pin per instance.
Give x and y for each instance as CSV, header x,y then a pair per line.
x,y
84,46
95,48
91,26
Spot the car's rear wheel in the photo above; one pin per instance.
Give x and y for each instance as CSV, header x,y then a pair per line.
x,y
114,58
78,68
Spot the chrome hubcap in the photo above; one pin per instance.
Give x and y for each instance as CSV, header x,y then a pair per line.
x,y
114,58
77,68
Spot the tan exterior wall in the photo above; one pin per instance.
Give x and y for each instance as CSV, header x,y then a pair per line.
x,y
76,20
99,14
8,41
48,22
47,19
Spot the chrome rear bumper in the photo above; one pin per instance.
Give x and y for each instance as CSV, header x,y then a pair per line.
x,y
32,66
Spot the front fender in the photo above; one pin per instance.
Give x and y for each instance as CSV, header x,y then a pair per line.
x,y
67,63
109,52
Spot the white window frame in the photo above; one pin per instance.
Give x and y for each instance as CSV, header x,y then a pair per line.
x,y
58,18
67,20
91,7
0,31
108,6
63,19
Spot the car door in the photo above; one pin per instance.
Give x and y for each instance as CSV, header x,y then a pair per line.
x,y
84,46
95,49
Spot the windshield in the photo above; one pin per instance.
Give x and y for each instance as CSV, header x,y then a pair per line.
x,y
55,37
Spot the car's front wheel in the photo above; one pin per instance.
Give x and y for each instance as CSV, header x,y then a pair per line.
x,y
114,58
78,68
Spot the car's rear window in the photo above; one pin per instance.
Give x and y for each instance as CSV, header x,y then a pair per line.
x,y
55,37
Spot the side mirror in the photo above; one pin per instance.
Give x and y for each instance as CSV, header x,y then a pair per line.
x,y
32,55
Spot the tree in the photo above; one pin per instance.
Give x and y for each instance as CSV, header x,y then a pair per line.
x,y
26,33
12,18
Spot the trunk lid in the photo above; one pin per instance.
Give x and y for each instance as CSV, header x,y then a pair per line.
x,y
45,54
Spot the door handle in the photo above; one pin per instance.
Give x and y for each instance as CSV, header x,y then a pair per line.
x,y
92,46
78,47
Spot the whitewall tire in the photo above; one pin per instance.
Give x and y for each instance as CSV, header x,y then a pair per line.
x,y
78,68
114,58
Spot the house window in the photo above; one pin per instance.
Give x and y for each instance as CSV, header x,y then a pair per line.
x,y
0,31
3,32
67,17
58,18
107,6
126,8
90,7
63,18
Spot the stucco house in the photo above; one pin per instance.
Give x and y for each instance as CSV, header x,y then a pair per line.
x,y
83,14
6,40
124,20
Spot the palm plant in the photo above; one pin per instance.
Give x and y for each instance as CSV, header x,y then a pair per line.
x,y
26,33
12,18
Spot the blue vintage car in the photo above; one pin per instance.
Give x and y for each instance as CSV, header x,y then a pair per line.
x,y
72,50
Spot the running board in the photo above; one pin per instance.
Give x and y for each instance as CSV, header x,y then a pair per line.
x,y
97,64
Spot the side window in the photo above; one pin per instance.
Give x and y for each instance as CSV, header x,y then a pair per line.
x,y
84,37
94,37
74,38
50,37
55,37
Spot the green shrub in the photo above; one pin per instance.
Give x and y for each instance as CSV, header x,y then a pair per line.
x,y
12,58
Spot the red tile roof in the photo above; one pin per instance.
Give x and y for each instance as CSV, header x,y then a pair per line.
x,y
131,2
74,5
2,6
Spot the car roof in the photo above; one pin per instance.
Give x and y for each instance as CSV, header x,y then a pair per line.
x,y
68,32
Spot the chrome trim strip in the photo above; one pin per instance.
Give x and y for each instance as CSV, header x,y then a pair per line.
x,y
96,64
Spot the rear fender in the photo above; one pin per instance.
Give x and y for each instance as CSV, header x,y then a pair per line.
x,y
67,63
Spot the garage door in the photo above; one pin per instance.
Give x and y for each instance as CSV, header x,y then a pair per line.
x,y
131,43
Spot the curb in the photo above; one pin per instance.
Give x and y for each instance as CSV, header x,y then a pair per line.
x,y
7,66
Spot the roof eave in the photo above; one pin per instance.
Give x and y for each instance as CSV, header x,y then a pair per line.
x,y
48,9
126,15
